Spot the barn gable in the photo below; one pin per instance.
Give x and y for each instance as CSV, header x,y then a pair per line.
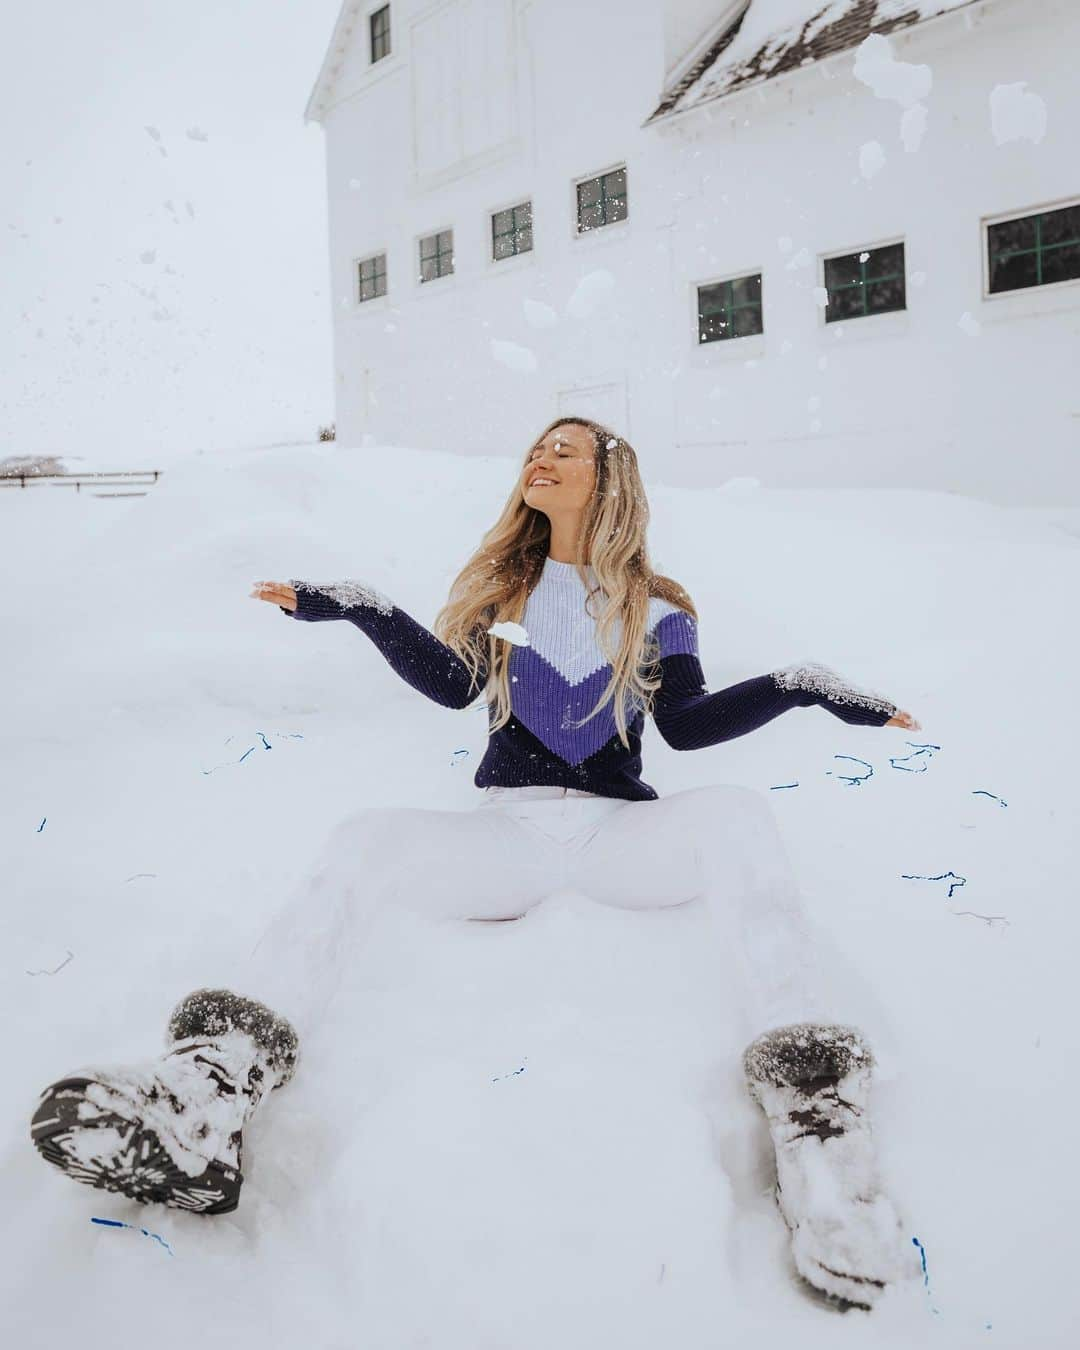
x,y
744,52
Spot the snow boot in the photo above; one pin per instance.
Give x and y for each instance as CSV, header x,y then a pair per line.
x,y
812,1080
169,1130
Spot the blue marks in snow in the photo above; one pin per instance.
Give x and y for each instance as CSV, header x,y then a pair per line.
x,y
853,779
285,735
955,884
42,825
922,752
777,786
981,792
119,1223
500,1077
925,1273
457,757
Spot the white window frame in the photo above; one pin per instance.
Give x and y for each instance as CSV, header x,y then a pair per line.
x,y
419,286
500,266
750,345
1048,288
616,228
369,10
890,321
364,306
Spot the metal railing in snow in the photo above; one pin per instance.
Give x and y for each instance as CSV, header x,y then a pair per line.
x,y
144,478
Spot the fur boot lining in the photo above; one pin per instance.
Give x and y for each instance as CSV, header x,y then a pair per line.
x,y
216,1012
805,1051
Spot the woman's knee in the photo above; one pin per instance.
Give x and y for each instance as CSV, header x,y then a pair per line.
x,y
370,822
365,841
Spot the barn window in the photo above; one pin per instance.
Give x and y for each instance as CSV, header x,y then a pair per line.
x,y
379,23
601,200
371,277
511,231
1035,250
436,255
729,309
868,282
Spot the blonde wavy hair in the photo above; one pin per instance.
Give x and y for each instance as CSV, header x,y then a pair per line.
x,y
495,583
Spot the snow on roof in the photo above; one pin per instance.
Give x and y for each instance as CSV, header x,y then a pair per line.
x,y
773,36
348,17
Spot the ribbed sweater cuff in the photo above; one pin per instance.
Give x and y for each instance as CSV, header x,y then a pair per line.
x,y
314,605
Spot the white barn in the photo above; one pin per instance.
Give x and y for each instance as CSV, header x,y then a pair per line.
x,y
830,243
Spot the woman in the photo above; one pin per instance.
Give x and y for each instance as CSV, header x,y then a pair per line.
x,y
559,620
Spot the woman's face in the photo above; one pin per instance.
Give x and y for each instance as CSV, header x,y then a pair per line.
x,y
566,458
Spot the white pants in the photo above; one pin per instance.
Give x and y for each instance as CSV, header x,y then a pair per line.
x,y
719,845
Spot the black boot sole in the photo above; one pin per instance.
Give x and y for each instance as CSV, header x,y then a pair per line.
x,y
140,1167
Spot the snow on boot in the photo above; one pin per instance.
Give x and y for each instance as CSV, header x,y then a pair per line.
x,y
812,1080
169,1130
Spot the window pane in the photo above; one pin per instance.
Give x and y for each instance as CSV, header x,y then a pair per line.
x,y
1011,272
1058,226
883,261
842,271
525,239
616,209
428,247
746,290
1061,264
1012,234
615,183
502,221
589,218
885,295
747,321
588,193
845,304
714,328
427,269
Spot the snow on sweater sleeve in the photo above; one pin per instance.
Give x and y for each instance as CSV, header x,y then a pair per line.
x,y
688,717
415,654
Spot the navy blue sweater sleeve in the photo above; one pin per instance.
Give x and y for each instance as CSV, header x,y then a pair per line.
x,y
418,656
688,717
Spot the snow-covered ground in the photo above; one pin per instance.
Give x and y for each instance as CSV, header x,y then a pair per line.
x,y
523,1136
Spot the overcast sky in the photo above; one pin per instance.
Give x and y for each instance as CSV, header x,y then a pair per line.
x,y
162,228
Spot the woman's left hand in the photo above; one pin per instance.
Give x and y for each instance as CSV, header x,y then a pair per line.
x,y
903,719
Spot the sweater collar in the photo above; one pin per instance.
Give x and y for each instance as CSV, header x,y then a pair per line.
x,y
563,573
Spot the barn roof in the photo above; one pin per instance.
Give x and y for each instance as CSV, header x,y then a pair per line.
x,y
349,15
769,37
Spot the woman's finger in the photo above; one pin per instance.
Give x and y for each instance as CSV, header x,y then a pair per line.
x,y
275,592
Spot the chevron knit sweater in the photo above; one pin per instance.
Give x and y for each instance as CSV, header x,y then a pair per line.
x,y
559,675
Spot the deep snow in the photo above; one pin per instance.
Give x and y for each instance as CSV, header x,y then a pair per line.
x,y
517,1136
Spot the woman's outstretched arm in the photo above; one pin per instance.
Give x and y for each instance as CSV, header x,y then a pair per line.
x,y
688,717
418,656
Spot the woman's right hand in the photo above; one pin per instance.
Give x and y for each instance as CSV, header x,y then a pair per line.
x,y
276,592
